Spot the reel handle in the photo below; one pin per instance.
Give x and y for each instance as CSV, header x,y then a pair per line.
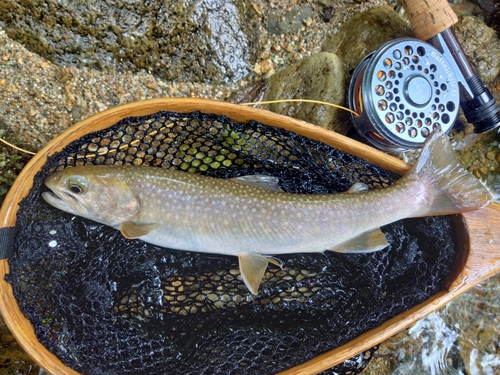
x,y
429,17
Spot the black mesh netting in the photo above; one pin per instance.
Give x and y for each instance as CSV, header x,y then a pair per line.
x,y
107,305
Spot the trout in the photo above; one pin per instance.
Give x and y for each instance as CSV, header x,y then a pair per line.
x,y
251,218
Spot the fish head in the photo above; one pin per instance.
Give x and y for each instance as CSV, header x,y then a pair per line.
x,y
95,193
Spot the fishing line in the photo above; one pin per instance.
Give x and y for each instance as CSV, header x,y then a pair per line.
x,y
15,147
305,101
250,103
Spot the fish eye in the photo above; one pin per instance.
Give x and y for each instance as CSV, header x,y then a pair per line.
x,y
76,189
77,184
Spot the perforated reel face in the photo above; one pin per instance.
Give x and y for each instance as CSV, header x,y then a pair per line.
x,y
408,89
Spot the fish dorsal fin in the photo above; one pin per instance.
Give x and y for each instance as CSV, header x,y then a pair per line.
x,y
253,267
262,181
367,242
132,230
358,187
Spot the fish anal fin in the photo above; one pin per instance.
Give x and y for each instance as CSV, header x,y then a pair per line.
x,y
367,242
262,181
252,268
275,261
132,230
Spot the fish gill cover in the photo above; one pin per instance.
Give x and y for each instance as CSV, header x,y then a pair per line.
x,y
107,305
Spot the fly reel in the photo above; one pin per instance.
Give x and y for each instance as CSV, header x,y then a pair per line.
x,y
402,92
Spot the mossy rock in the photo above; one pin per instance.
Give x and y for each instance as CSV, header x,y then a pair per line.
x,y
319,77
206,40
481,45
365,32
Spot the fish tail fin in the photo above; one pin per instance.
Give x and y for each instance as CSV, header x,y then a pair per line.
x,y
453,189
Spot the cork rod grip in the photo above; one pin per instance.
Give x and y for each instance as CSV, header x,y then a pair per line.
x,y
429,17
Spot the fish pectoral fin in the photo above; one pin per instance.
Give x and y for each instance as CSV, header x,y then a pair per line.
x,y
367,242
252,268
262,181
132,230
358,187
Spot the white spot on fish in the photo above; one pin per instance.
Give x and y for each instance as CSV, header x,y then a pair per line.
x,y
53,231
53,243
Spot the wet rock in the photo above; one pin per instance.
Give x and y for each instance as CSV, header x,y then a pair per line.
x,y
293,20
492,12
318,77
250,93
185,40
366,32
481,44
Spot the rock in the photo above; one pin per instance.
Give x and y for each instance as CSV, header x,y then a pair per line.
x,y
264,68
250,93
492,12
293,20
365,32
185,40
481,45
76,113
318,77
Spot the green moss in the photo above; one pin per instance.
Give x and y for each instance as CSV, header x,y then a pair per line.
x,y
13,360
11,161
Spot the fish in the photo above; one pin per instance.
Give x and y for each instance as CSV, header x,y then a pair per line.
x,y
251,218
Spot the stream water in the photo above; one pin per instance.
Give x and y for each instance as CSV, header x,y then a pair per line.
x,y
463,338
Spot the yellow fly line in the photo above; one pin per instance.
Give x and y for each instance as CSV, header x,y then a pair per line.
x,y
305,101
15,147
252,103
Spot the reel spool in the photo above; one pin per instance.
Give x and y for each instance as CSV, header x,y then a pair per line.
x,y
402,92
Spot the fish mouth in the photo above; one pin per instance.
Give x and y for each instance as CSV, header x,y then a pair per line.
x,y
51,198
64,202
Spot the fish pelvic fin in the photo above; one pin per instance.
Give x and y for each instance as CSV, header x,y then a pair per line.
x,y
253,267
453,189
132,230
367,242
